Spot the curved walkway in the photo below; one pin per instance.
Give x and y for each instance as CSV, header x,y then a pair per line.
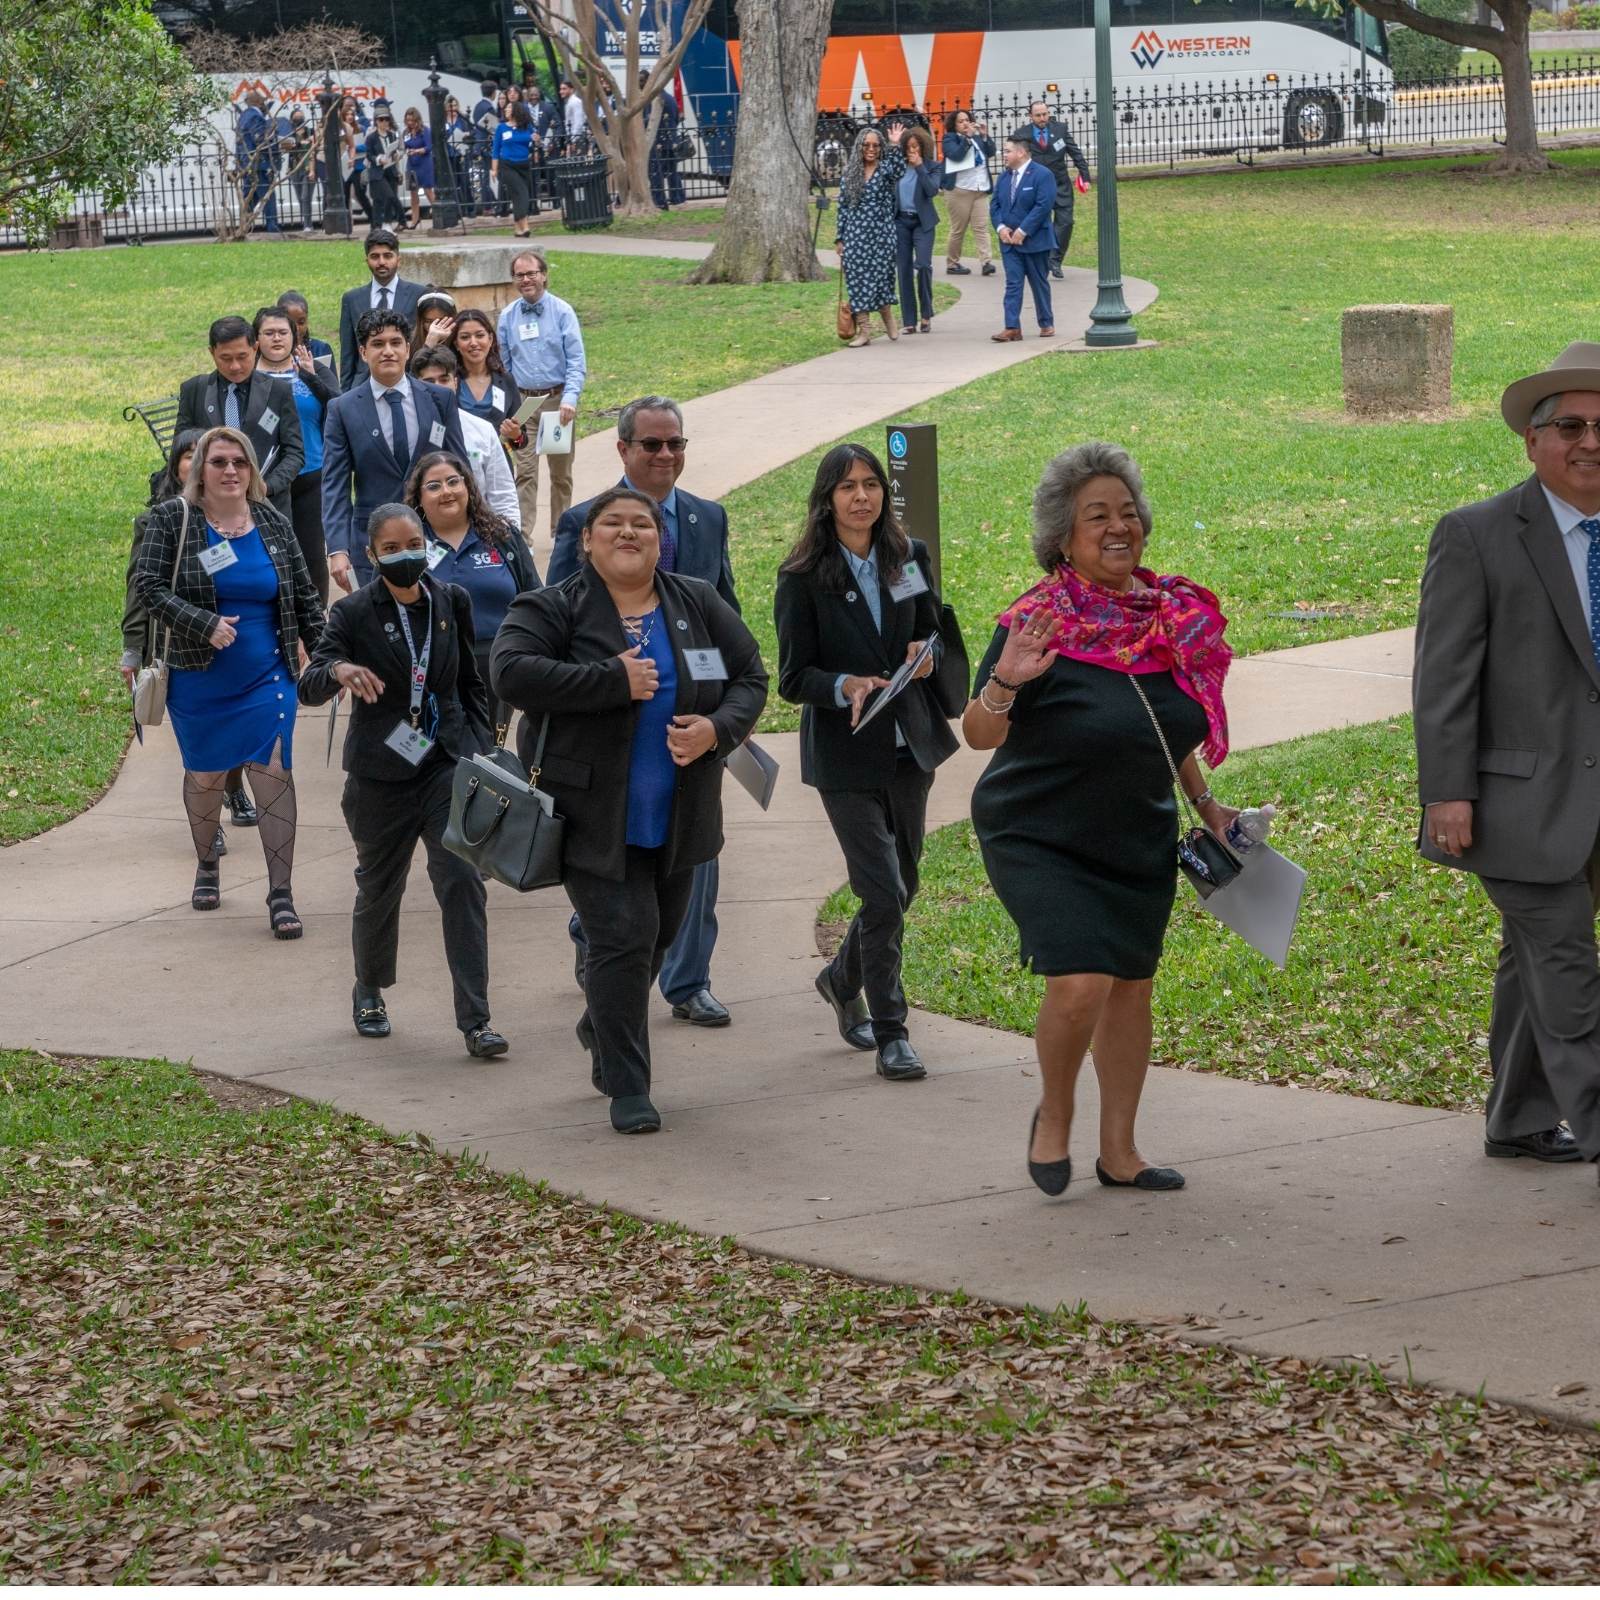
x,y
1315,1224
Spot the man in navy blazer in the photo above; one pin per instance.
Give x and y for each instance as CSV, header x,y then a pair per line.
x,y
387,291
1021,209
371,439
652,445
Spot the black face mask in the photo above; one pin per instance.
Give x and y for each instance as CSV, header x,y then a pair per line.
x,y
404,568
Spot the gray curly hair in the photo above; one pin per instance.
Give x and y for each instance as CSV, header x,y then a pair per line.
x,y
854,177
1055,501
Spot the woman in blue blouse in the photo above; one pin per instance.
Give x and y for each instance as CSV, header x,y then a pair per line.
x,y
280,354
485,389
418,144
512,164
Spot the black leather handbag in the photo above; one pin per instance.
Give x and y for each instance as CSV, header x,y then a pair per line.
x,y
952,676
502,823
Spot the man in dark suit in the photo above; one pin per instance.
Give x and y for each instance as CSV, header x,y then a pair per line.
x,y
1051,144
233,394
372,437
1507,702
1020,210
387,291
653,448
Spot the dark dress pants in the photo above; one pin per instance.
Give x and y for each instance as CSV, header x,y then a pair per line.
x,y
1544,1038
686,967
913,250
629,927
305,511
880,832
1063,221
383,193
386,820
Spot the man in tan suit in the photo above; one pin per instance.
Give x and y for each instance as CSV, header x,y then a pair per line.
x,y
1507,702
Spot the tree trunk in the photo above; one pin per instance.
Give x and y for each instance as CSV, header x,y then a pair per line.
x,y
766,232
1522,152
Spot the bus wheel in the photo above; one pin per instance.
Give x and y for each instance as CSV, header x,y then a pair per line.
x,y
1312,118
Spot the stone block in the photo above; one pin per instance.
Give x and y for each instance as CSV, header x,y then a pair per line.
x,y
479,278
1397,359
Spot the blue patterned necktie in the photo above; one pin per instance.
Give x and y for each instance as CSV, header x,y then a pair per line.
x,y
397,423
1591,526
230,406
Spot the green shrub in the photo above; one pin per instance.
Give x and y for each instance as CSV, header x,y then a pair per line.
x,y
1543,22
1588,16
1416,56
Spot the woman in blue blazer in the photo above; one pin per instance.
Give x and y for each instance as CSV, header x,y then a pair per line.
x,y
914,222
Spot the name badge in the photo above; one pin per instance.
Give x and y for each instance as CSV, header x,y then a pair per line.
x,y
528,329
412,743
216,558
1060,144
909,584
436,435
435,555
269,420
497,398
705,666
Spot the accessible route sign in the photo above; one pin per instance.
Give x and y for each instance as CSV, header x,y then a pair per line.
x,y
914,485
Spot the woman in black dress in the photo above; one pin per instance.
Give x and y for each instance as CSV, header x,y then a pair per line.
x,y
1075,814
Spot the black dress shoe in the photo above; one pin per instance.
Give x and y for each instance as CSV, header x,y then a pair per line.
x,y
956,270
1056,272
484,1042
369,1012
703,1009
585,1032
633,1113
1149,1178
1050,1176
899,1063
855,1021
240,808
1549,1144
988,269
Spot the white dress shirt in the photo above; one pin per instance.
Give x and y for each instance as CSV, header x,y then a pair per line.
x,y
1577,543
408,405
572,116
372,298
487,457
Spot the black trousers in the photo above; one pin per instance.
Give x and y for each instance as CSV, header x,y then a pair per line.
x,y
913,249
516,185
880,832
629,926
383,197
305,510
1063,221
386,820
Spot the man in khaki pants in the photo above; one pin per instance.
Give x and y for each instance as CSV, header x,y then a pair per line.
x,y
542,348
967,151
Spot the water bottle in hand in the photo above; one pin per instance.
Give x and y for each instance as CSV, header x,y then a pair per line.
x,y
1249,828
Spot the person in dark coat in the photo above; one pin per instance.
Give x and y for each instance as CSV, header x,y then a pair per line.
x,y
1051,144
666,183
648,680
914,224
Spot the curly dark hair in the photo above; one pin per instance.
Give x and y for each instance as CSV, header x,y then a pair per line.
x,y
482,319
488,523
817,548
374,322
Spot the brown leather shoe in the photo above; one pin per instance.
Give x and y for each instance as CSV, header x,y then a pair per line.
x,y
1006,335
1047,333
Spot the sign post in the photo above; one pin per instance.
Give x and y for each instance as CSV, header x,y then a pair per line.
x,y
914,485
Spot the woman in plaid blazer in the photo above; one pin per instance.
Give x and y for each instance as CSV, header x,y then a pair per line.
x,y
222,579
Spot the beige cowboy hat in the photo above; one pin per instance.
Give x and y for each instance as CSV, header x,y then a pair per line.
x,y
1577,367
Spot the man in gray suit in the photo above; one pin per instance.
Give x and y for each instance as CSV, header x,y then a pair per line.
x,y
1507,701
387,291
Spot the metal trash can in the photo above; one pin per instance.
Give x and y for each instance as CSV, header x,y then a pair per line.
x,y
585,188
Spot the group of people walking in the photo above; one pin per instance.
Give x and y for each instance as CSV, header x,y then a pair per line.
x,y
887,216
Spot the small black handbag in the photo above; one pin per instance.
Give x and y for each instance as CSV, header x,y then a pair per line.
x,y
1203,858
499,821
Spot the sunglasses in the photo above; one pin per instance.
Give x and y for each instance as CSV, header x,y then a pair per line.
x,y
238,463
1569,430
677,445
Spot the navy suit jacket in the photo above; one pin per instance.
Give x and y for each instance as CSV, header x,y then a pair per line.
x,y
352,308
1031,210
280,450
354,448
702,544
929,180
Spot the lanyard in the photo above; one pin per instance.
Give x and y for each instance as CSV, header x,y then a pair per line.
x,y
419,664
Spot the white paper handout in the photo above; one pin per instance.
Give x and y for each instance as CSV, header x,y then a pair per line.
x,y
1262,904
967,162
905,674
754,771
555,436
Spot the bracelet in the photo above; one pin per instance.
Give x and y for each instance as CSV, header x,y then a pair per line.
x,y
1205,797
989,706
1000,683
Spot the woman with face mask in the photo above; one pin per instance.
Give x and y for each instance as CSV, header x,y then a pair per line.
x,y
403,647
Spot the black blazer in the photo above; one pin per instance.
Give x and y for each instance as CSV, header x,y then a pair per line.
x,y
280,450
354,304
556,651
364,628
822,634
1059,149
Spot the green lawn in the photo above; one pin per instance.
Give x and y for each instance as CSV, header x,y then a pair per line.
x,y
1543,60
1386,992
1262,489
273,1344
91,331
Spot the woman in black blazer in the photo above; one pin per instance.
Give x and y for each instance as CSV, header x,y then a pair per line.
x,y
649,679
404,740
854,602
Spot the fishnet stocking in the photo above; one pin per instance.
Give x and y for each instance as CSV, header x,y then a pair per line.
x,y
202,803
273,791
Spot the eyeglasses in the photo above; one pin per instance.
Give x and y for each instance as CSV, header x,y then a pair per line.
x,y
538,272
434,485
677,445
238,463
1570,430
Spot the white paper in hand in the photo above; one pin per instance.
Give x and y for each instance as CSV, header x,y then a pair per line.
x,y
555,436
1262,904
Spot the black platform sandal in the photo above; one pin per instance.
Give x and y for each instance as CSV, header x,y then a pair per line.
x,y
207,892
280,908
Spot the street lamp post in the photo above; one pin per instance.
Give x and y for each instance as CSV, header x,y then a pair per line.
x,y
335,212
446,209
1111,322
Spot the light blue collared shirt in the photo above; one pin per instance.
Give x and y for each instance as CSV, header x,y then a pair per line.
x,y
1577,546
865,571
551,355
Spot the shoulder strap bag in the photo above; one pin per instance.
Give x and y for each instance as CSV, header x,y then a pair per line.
x,y
501,822
1205,860
150,682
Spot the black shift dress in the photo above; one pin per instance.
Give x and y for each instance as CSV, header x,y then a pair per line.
x,y
1076,816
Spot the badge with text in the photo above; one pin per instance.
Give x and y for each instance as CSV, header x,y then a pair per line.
x,y
497,398
269,420
909,584
412,743
528,329
705,666
435,555
436,435
218,557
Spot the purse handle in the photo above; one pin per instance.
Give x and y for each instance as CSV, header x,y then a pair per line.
x,y
1177,783
172,583
538,750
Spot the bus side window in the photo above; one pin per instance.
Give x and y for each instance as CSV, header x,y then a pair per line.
x,y
1242,12
1145,13
1010,15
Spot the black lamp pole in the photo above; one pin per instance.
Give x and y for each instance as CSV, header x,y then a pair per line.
x,y
1111,322
335,213
446,207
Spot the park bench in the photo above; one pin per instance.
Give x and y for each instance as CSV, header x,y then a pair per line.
x,y
160,417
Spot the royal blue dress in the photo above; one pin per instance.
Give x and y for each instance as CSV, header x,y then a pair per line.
x,y
244,702
652,773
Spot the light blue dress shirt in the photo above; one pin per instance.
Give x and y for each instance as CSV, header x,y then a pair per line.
x,y
552,355
669,515
865,571
1577,545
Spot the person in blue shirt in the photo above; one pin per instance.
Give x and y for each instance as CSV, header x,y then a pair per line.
x,y
915,221
541,347
258,160
512,166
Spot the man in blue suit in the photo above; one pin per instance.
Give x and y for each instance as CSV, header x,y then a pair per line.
x,y
1021,209
371,439
694,543
387,291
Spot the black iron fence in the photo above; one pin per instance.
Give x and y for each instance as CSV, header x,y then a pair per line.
x,y
203,192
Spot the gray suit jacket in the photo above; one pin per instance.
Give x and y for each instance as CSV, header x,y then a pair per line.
x,y
1507,691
